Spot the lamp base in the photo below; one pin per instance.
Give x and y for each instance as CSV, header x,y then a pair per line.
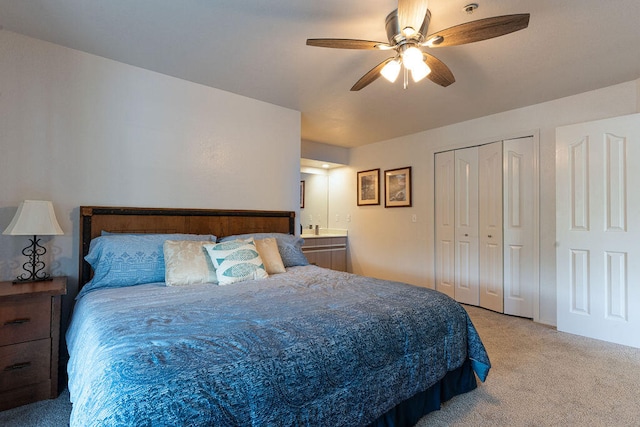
x,y
34,266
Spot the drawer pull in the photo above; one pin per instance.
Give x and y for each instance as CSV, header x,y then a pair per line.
x,y
18,321
17,366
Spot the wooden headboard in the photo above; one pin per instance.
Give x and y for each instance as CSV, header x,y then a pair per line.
x,y
221,223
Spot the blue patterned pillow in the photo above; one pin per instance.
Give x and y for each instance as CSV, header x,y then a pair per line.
x,y
289,246
130,259
236,261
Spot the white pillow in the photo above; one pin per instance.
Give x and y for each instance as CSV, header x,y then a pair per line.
x,y
187,263
236,261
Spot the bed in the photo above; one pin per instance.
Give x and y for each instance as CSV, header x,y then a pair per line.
x,y
300,346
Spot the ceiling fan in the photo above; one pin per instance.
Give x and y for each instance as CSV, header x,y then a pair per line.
x,y
407,32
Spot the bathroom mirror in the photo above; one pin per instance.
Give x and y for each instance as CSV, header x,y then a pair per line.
x,y
315,175
316,200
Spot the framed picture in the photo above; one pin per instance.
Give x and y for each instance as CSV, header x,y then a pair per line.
x,y
397,187
301,194
369,187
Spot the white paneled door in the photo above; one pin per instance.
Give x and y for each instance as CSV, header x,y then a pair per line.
x,y
490,264
444,222
466,226
520,226
598,229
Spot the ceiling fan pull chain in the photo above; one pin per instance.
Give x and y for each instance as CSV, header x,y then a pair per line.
x,y
406,76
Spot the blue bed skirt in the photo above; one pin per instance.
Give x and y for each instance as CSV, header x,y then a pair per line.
x,y
409,412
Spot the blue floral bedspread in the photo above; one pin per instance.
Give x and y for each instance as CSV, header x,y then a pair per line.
x,y
308,347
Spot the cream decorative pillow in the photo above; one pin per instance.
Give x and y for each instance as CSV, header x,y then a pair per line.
x,y
187,263
236,261
268,250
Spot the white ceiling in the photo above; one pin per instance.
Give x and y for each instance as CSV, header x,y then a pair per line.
x,y
256,48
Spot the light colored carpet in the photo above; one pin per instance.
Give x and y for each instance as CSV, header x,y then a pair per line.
x,y
46,413
540,377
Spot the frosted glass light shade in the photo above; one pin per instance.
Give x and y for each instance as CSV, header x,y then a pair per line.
x,y
412,57
391,70
420,71
34,217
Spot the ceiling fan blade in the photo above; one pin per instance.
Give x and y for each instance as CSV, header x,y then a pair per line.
x,y
481,29
440,73
348,44
371,76
411,14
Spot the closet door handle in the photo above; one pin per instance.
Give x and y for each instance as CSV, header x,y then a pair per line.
x,y
489,236
466,235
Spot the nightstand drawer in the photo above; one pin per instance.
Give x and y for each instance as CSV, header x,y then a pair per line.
x,y
24,364
25,319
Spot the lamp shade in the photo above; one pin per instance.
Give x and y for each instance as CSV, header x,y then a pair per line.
x,y
34,217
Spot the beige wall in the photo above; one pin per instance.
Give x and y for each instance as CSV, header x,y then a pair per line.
x,y
78,129
386,243
324,152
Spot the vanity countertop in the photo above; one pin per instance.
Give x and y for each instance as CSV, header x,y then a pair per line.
x,y
324,232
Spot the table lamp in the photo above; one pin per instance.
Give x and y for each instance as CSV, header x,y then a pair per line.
x,y
34,218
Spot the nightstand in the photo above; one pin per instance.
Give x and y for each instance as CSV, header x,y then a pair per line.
x,y
29,341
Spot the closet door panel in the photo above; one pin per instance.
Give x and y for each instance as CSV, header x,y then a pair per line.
x,y
520,250
444,220
466,226
490,226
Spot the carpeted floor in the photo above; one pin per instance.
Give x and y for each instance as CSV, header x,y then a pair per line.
x,y
540,377
46,413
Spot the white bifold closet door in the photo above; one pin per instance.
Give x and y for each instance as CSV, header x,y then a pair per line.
x,y
520,224
466,226
485,225
490,257
444,213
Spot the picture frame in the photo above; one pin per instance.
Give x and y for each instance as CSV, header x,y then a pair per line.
x,y
368,192
301,194
397,187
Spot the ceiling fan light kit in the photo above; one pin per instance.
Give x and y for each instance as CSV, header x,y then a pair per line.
x,y
406,29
